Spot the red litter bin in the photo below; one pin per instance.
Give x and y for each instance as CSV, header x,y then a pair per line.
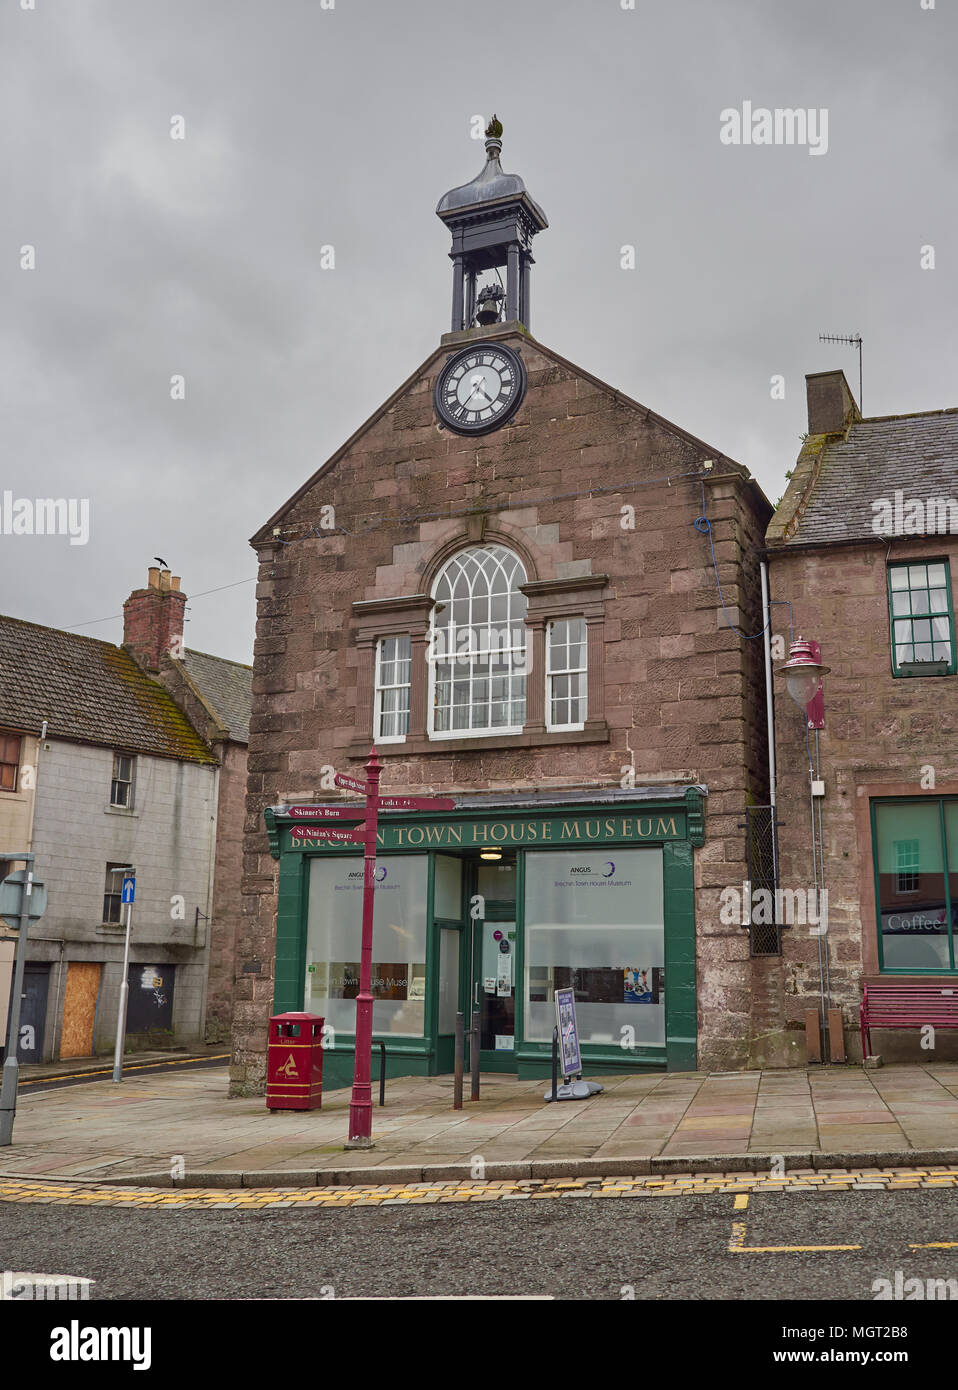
x,y
294,1062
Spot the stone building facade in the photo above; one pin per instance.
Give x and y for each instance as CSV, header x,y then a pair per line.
x,y
18,750
143,765
214,694
613,515
864,546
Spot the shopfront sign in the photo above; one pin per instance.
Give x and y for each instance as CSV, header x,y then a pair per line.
x,y
534,832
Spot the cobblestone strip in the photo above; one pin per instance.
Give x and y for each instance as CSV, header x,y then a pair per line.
x,y
413,1194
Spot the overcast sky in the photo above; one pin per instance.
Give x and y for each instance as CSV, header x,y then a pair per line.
x,y
307,127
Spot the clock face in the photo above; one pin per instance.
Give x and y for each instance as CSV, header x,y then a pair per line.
x,y
479,389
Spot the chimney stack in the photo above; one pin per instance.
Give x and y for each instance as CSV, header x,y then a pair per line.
x,y
831,405
153,620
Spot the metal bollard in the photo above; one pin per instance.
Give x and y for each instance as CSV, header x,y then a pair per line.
x,y
474,1055
460,1061
382,1071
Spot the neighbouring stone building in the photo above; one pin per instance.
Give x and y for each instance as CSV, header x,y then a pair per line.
x,y
18,749
142,764
864,546
509,579
215,694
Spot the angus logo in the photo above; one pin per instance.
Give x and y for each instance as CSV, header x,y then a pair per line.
x,y
288,1068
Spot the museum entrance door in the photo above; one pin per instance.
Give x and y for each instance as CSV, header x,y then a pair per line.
x,y
492,956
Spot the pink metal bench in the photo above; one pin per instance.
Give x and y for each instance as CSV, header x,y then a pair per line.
x,y
895,1004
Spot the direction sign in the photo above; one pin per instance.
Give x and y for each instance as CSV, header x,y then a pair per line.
x,y
346,812
11,890
350,783
416,803
327,832
128,892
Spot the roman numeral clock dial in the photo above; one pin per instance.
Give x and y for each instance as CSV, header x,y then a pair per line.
x,y
479,389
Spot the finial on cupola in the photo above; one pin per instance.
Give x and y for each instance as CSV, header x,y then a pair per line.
x,y
492,220
494,137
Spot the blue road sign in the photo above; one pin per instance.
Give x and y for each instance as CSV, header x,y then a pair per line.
x,y
129,890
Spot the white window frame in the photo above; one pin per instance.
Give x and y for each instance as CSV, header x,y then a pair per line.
x,y
131,783
497,730
114,889
379,688
582,671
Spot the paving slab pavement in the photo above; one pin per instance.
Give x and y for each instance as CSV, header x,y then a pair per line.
x,y
157,1126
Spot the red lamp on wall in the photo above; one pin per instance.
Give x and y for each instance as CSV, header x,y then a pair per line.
x,y
803,673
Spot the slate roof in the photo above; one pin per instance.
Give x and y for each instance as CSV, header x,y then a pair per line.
x,y
838,477
227,687
89,691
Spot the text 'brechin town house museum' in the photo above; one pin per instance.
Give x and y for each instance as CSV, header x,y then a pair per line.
x,y
532,594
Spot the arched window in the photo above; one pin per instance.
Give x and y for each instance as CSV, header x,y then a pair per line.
x,y
477,648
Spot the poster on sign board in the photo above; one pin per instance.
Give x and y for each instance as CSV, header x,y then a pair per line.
x,y
569,1057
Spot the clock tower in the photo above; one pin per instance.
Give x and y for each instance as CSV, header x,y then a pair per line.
x,y
492,221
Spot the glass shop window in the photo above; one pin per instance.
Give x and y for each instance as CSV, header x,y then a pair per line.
x,y
916,862
334,933
594,921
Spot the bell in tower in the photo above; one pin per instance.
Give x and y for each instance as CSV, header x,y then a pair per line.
x,y
492,221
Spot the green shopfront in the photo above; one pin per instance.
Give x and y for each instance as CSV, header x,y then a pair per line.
x,y
493,906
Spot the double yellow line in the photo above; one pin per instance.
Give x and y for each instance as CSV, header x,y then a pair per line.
x,y
737,1246
127,1066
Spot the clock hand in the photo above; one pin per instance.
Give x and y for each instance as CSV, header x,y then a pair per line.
x,y
478,389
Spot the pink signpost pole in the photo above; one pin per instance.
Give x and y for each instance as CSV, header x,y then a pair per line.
x,y
361,1104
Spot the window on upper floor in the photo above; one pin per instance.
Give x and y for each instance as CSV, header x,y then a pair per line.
x,y
10,745
113,891
478,645
121,790
393,661
922,619
566,676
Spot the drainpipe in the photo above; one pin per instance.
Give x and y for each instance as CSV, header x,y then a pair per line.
x,y
57,1023
769,711
822,1008
822,910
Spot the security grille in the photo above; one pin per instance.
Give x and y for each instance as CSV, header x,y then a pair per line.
x,y
761,854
